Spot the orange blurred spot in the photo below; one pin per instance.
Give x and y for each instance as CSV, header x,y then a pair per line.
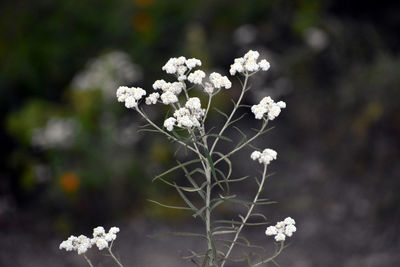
x,y
144,3
142,22
70,182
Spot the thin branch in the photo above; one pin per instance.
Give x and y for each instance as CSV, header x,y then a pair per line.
x,y
244,220
235,107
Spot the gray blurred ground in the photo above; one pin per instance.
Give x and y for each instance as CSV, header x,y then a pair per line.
x,y
337,226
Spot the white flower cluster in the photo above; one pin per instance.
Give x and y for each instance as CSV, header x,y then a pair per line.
x,y
106,72
264,157
219,81
216,81
152,98
282,229
57,133
196,77
101,238
79,244
180,65
186,117
269,107
248,63
170,91
82,243
130,95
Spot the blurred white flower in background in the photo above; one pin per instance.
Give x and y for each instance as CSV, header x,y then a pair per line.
x,y
58,132
245,34
107,72
316,38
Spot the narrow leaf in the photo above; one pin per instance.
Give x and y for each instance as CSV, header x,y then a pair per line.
x,y
168,206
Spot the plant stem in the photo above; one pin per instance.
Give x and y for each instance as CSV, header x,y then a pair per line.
x,y
162,131
88,261
115,258
260,188
272,257
265,122
232,113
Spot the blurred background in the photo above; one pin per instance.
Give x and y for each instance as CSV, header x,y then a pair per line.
x,y
71,158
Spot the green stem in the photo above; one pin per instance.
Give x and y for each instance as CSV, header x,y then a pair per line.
x,y
244,220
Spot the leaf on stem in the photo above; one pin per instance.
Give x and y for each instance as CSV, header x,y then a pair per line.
x,y
211,163
176,168
221,112
168,206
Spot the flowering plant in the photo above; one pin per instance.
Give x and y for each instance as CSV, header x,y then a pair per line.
x,y
208,180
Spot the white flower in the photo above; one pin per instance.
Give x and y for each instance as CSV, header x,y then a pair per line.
x,y
152,98
208,88
176,66
181,112
265,157
110,237
282,229
181,70
171,66
259,111
266,101
290,229
106,72
180,60
79,244
289,221
192,63
68,244
219,81
251,65
57,133
196,77
137,92
236,67
280,237
248,63
188,116
269,107
264,65
121,93
280,225
181,78
114,230
98,231
130,95
158,84
251,55
271,230
169,98
101,243
130,102
255,155
169,123
193,103
185,121
274,112
281,104
176,87
83,244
